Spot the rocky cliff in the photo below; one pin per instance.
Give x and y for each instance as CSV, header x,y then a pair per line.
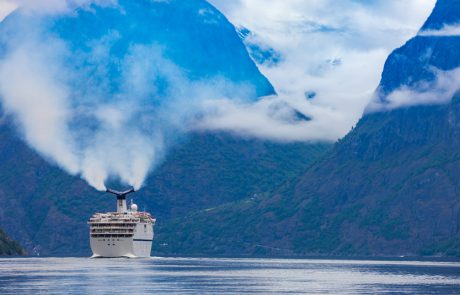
x,y
390,187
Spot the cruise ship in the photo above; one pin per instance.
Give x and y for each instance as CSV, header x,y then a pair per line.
x,y
125,233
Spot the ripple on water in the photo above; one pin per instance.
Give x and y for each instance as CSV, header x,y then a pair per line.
x,y
225,276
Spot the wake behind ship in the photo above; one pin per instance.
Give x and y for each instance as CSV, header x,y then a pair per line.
x,y
125,233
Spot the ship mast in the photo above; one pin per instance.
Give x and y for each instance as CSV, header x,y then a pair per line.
x,y
121,199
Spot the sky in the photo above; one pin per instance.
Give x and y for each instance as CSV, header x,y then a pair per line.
x,y
6,7
334,49
331,57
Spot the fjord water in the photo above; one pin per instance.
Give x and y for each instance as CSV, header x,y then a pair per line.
x,y
225,276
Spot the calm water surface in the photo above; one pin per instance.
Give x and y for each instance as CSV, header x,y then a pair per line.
x,y
225,276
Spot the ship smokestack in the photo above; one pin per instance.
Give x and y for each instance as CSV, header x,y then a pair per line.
x,y
121,199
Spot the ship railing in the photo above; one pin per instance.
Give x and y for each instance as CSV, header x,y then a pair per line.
x,y
112,231
105,223
112,228
111,235
111,220
144,214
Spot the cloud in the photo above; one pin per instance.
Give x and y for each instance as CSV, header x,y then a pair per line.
x,y
333,110
439,91
445,31
334,49
330,58
270,118
30,88
6,7
78,113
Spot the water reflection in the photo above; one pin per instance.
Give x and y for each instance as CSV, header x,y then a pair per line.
x,y
225,276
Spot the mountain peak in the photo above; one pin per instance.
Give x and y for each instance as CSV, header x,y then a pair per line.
x,y
424,55
446,12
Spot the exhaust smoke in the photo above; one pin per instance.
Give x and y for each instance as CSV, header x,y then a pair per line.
x,y
104,107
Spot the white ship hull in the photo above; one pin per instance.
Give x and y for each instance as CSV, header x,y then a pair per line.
x,y
111,246
121,234
124,247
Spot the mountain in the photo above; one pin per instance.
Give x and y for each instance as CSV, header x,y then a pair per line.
x,y
390,187
212,169
446,12
387,188
8,246
192,34
46,209
41,204
414,62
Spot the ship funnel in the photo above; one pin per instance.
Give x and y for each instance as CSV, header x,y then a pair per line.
x,y
121,199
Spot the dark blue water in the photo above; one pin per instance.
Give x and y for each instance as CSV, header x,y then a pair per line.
x,y
225,276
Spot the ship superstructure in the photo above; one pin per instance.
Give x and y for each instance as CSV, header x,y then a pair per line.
x,y
125,233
